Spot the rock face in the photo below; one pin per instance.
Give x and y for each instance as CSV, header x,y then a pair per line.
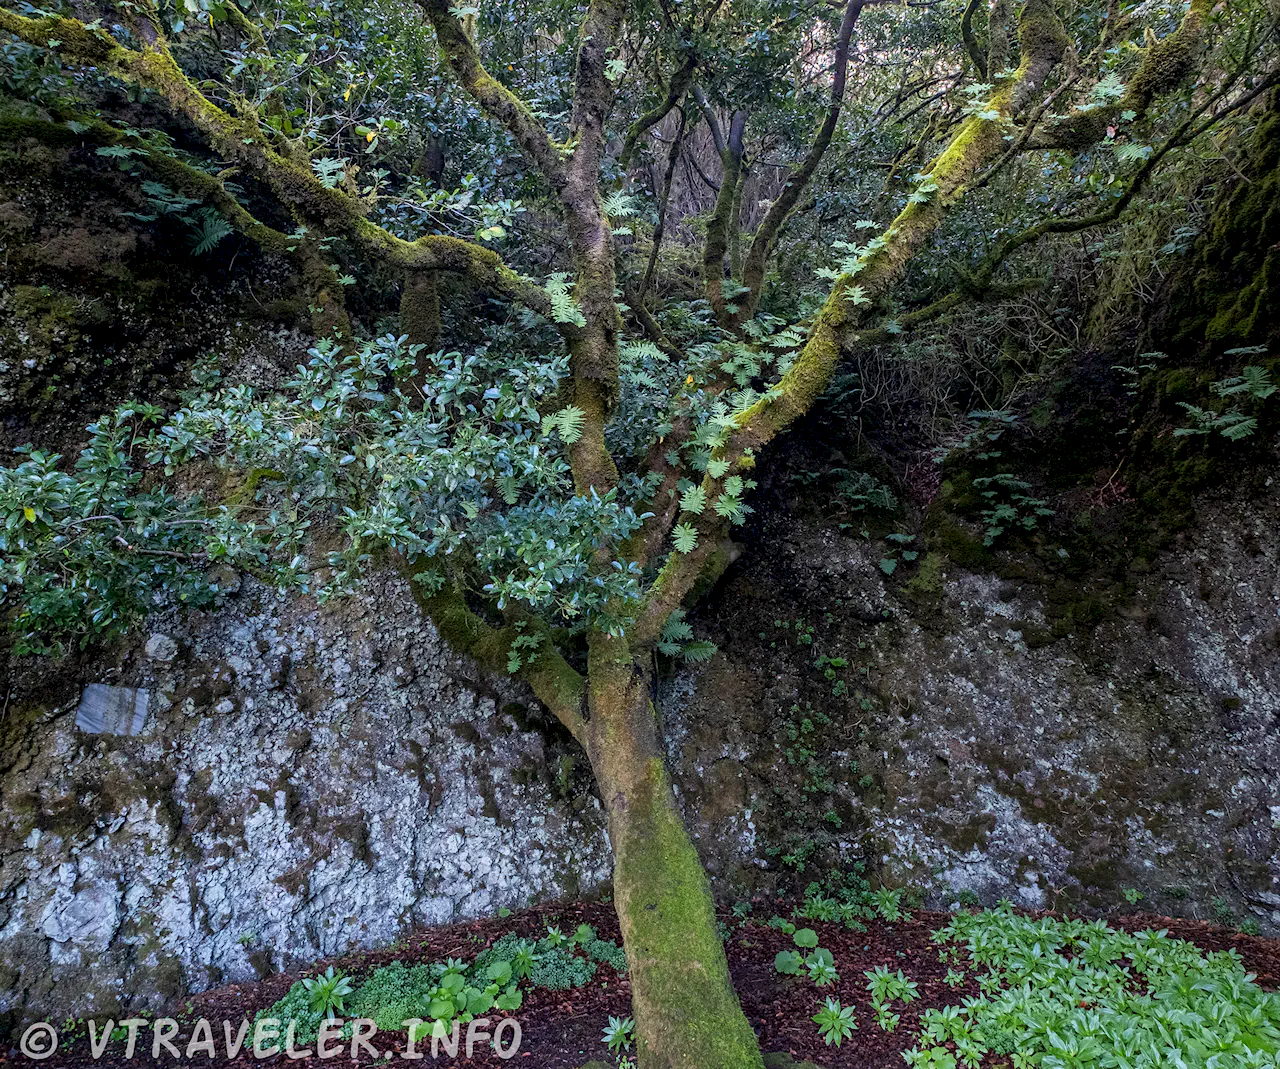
x,y
312,779
308,781
970,750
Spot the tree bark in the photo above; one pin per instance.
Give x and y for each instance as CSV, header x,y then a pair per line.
x,y
686,1011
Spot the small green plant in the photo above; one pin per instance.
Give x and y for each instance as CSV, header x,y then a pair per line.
x,y
896,549
1222,911
555,937
822,968
835,1022
887,1019
968,898
788,962
932,1058
619,1033
889,905
327,991
1252,384
1009,505
1249,926
805,938
1132,895
887,987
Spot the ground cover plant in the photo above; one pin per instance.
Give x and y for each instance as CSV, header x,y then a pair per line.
x,y
557,468
990,987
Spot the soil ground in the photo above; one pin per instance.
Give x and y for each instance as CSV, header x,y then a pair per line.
x,y
562,1029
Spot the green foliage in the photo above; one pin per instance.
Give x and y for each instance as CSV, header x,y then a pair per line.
x,y
677,640
887,987
805,938
835,1022
564,309
568,423
1252,384
788,962
619,1033
460,473
327,991
888,904
442,992
821,966
1009,505
84,553
1078,993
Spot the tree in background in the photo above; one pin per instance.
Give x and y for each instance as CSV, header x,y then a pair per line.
x,y
554,488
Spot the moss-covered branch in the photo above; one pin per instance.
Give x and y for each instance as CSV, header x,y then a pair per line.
x,y
679,84
324,291
239,140
1165,65
498,102
560,687
716,243
977,142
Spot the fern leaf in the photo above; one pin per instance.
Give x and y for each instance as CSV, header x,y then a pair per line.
x,y
685,537
570,422
693,500
697,652
210,231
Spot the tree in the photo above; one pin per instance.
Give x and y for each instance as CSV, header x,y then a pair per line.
x,y
554,504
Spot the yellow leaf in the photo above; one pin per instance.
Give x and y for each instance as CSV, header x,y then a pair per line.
x,y
370,136
30,514
689,381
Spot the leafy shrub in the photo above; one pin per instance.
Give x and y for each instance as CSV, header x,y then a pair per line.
x,y
1076,993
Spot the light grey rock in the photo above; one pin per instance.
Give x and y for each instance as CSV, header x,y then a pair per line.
x,y
333,804
161,648
107,710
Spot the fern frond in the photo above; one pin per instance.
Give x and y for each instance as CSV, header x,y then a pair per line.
x,y
685,538
211,229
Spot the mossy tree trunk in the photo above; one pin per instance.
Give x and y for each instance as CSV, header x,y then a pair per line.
x,y
686,1011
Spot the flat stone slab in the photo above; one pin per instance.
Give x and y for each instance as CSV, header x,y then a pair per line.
x,y
107,710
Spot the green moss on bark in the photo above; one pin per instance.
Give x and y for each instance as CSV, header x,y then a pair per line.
x,y
687,1014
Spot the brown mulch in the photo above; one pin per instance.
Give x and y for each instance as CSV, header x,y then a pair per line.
x,y
562,1029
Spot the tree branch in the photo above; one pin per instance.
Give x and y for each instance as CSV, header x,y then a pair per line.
x,y
766,235
978,141
497,101
559,686
1165,65
976,55
240,141
680,81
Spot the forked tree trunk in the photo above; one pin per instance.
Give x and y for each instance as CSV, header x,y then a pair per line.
x,y
686,1011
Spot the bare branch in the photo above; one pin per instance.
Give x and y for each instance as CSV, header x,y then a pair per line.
x,y
766,235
